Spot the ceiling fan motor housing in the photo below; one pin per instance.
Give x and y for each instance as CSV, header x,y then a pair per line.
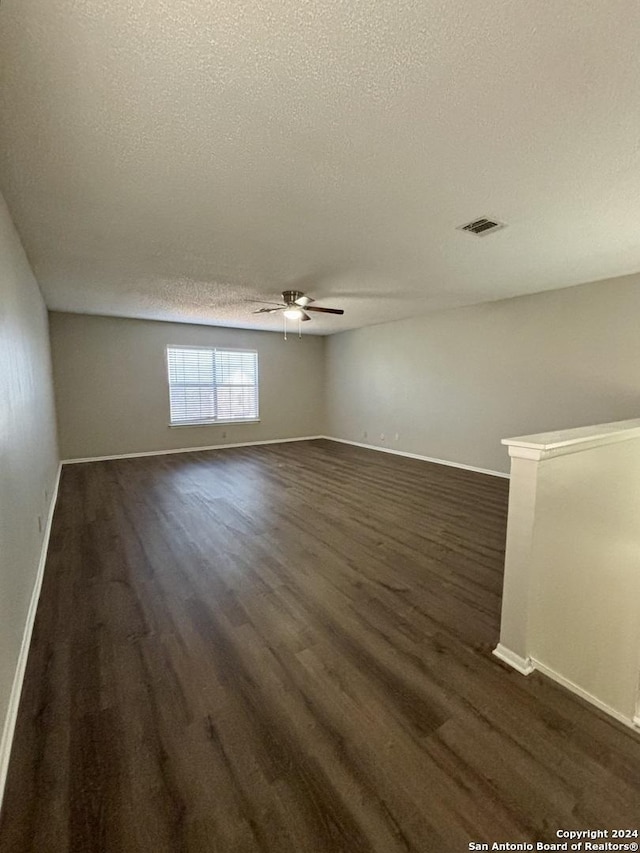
x,y
290,296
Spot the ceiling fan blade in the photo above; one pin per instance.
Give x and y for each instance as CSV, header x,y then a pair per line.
x,y
269,310
304,318
325,310
303,301
264,302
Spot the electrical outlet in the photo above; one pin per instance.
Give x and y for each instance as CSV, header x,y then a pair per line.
x,y
396,436
46,495
224,433
381,436
365,434
39,524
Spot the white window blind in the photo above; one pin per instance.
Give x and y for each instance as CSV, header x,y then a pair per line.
x,y
208,385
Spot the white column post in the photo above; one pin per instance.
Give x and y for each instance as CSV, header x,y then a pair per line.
x,y
513,646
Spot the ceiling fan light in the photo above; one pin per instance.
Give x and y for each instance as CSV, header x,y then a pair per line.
x,y
294,313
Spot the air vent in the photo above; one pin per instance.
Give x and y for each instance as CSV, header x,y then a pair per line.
x,y
482,226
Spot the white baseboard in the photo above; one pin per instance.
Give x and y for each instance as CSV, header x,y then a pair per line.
x,y
526,666
631,722
188,449
523,665
284,441
418,456
16,689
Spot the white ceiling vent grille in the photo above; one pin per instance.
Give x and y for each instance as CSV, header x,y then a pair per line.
x,y
482,226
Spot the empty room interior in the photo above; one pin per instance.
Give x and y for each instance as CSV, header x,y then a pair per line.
x,y
319,426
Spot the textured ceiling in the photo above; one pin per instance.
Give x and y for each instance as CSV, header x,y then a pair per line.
x,y
171,159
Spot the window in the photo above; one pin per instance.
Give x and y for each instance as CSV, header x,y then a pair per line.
x,y
208,385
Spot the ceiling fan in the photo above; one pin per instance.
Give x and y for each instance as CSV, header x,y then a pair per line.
x,y
295,306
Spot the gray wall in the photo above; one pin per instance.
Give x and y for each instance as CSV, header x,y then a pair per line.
x,y
111,385
453,384
28,452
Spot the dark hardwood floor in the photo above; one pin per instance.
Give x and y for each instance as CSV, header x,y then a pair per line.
x,y
288,648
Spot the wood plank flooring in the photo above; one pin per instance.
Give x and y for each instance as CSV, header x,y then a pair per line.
x,y
288,648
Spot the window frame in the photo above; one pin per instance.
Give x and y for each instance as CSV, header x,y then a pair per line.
x,y
215,421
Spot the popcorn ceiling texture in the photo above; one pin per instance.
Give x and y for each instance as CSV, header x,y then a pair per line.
x,y
173,159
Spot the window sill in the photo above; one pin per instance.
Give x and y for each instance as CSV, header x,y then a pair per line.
x,y
214,423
